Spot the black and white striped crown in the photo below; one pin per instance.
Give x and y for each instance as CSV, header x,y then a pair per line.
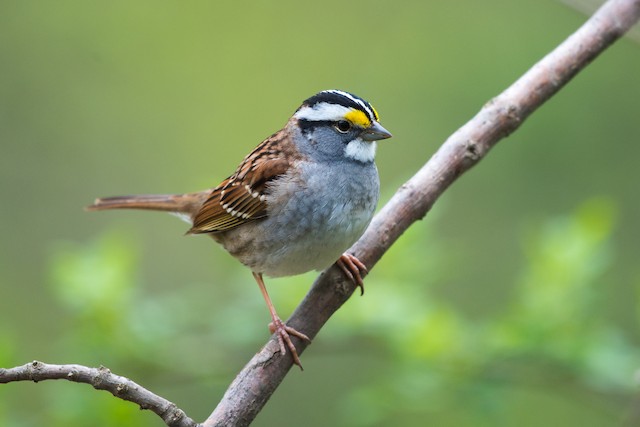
x,y
330,105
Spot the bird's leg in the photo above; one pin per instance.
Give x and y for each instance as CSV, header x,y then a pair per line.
x,y
353,269
278,327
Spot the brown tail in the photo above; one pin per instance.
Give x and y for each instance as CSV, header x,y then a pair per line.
x,y
188,204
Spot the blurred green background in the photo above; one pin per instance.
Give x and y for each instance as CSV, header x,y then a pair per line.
x,y
515,302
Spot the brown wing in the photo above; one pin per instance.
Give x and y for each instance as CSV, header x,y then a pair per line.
x,y
241,197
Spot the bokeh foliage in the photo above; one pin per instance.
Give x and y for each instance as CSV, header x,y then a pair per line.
x,y
515,302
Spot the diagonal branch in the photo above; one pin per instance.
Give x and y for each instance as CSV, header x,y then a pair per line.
x,y
101,379
467,146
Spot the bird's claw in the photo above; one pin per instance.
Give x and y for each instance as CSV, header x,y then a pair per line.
x,y
353,268
283,333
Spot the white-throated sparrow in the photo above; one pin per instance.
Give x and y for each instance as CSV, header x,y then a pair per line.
x,y
296,202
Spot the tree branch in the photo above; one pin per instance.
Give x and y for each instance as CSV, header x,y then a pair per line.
x,y
466,147
101,379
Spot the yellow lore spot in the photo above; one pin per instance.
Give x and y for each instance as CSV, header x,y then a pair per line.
x,y
358,118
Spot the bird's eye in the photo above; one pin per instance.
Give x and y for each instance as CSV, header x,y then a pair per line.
x,y
343,126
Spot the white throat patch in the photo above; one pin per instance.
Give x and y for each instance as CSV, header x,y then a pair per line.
x,y
361,151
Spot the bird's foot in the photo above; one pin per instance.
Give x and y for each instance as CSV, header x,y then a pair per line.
x,y
353,268
283,333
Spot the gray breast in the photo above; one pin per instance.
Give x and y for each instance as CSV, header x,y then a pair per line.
x,y
312,219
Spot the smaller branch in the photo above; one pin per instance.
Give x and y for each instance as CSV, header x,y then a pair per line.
x,y
101,379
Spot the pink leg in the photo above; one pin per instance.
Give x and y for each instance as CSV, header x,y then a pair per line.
x,y
278,327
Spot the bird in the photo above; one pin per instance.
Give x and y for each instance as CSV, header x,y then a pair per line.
x,y
295,203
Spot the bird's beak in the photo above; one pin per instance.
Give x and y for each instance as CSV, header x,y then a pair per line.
x,y
375,132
